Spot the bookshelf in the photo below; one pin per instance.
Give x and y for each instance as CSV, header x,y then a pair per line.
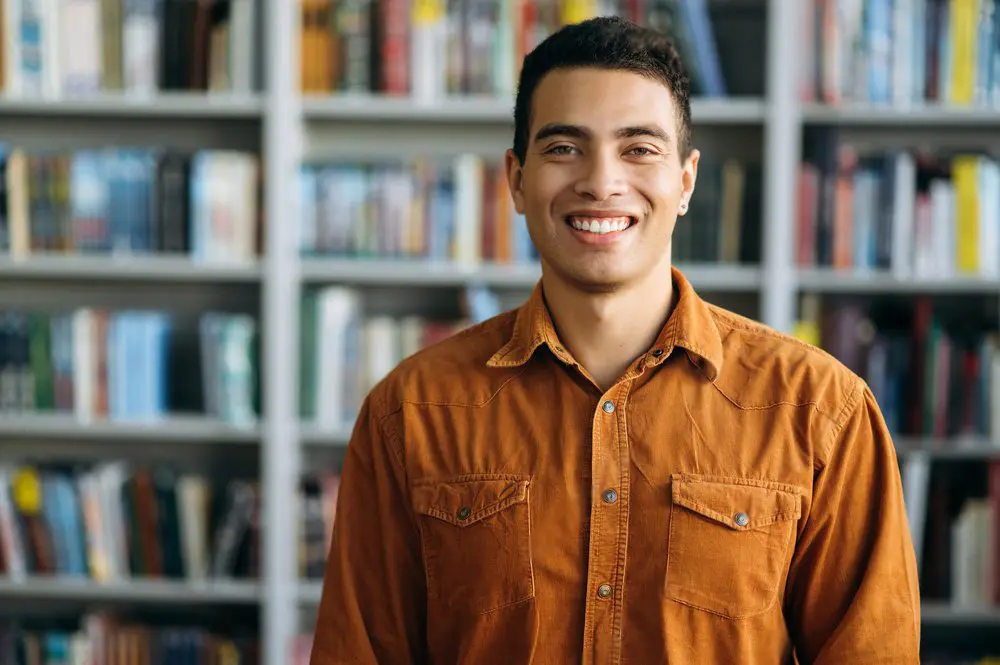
x,y
763,119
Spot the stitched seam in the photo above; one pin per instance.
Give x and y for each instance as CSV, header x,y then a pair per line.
x,y
740,480
396,446
470,478
481,514
852,399
764,407
728,521
468,405
523,599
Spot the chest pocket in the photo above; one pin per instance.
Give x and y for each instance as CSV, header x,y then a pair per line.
x,y
729,544
476,540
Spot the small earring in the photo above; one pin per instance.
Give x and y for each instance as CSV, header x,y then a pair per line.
x,y
684,207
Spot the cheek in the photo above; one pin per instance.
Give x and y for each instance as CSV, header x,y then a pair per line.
x,y
546,186
657,185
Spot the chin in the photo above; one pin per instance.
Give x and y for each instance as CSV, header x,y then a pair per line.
x,y
586,278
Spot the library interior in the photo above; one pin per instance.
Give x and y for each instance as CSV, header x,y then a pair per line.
x,y
850,165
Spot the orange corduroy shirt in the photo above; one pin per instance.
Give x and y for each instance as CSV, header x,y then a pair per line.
x,y
734,499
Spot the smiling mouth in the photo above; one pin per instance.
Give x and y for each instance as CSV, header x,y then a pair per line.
x,y
600,225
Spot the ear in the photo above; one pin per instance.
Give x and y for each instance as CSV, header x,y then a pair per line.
x,y
515,176
689,175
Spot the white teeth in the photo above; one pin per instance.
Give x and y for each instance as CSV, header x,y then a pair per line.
x,y
600,225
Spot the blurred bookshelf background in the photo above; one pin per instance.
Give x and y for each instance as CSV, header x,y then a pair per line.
x,y
222,221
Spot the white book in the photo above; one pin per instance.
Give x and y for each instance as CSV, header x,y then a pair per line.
x,y
193,499
943,228
382,348
84,365
428,52
140,46
110,477
338,310
52,36
916,481
903,212
469,174
242,23
989,216
902,46
80,50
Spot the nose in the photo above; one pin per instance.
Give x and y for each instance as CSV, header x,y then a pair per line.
x,y
602,176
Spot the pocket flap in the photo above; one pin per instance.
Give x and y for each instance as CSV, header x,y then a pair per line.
x,y
742,504
465,500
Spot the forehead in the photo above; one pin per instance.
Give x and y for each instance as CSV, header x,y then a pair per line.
x,y
602,100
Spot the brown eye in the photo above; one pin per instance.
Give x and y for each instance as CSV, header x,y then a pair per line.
x,y
560,150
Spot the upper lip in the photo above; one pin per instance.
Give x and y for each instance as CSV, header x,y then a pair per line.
x,y
602,213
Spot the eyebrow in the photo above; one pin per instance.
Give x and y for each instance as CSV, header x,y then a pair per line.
x,y
578,132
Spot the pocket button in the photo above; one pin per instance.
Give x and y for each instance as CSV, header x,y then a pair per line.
x,y
742,519
464,512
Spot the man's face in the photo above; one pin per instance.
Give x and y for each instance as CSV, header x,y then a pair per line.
x,y
602,180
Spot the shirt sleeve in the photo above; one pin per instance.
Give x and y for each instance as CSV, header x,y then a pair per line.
x,y
852,593
372,605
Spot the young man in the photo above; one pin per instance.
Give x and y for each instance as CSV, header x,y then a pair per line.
x,y
618,471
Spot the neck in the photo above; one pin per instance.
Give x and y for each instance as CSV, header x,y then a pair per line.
x,y
607,331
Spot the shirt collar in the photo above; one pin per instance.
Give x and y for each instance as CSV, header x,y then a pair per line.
x,y
691,326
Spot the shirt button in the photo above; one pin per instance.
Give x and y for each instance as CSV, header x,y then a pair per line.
x,y
609,407
742,519
604,591
657,353
464,512
610,496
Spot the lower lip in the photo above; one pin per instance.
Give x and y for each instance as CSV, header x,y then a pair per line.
x,y
599,238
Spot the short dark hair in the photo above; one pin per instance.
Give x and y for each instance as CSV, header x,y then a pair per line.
x,y
607,42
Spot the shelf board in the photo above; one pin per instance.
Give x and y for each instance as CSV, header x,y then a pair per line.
x,y
895,116
179,105
829,280
311,435
417,272
174,429
131,591
945,613
970,448
156,268
485,109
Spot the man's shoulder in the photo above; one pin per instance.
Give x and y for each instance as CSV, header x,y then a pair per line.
x,y
763,367
450,371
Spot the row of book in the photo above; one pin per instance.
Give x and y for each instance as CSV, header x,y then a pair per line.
x,y
103,638
916,213
460,209
954,518
901,52
128,365
113,521
316,502
344,351
932,376
205,203
431,49
78,48
456,209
